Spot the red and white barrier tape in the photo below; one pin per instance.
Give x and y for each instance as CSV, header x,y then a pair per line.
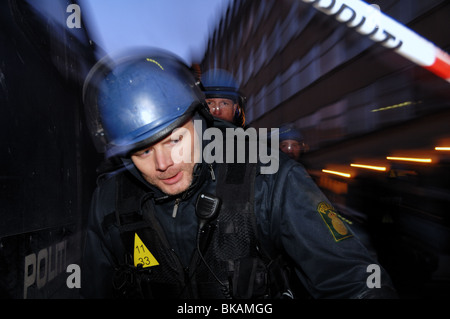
x,y
369,21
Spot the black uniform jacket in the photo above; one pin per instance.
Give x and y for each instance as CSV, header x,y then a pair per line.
x,y
293,217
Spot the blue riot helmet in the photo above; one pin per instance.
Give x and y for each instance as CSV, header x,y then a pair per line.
x,y
291,141
219,83
138,100
289,132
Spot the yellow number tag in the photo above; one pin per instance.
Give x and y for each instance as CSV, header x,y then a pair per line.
x,y
142,255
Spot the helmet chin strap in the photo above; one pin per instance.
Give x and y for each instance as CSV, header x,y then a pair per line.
x,y
239,116
205,114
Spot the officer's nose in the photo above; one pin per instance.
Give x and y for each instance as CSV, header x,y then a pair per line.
x,y
215,110
163,159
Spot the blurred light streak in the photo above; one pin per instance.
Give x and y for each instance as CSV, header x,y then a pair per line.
x,y
410,159
442,148
376,168
393,106
336,173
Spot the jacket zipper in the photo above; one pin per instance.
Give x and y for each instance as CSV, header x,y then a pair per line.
x,y
211,170
175,207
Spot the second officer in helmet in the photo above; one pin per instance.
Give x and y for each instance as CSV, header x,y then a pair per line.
x,y
223,97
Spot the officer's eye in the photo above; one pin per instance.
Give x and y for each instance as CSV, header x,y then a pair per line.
x,y
177,140
144,153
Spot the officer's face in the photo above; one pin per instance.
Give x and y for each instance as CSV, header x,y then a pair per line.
x,y
291,148
169,164
222,108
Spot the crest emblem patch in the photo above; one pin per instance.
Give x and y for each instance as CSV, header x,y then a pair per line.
x,y
334,223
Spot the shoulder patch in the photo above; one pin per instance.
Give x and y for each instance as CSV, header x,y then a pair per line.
x,y
335,225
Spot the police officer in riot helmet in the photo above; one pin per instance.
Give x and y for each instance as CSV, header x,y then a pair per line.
x,y
180,227
223,97
291,141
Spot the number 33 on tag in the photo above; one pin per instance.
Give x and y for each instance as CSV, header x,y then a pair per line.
x,y
142,255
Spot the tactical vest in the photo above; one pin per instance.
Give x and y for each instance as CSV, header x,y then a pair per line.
x,y
230,265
